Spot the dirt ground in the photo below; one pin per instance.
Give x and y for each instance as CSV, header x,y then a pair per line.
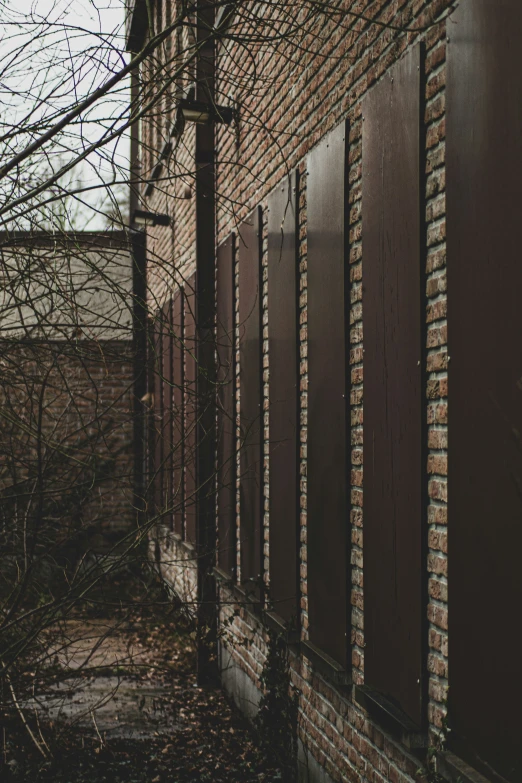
x,y
126,708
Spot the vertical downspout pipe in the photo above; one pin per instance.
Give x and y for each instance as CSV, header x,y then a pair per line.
x,y
139,316
207,671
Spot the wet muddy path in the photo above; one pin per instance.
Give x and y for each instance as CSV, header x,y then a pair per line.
x,y
128,710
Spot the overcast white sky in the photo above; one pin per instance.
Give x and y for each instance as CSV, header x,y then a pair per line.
x,y
53,52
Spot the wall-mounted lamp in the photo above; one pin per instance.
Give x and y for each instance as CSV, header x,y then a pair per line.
x,y
190,110
141,217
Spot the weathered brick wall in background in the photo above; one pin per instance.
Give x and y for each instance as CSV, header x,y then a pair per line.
x,y
80,397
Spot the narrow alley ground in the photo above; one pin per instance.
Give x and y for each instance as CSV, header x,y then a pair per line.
x,y
122,705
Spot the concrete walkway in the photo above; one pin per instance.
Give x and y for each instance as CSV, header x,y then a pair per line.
x,y
129,711
113,688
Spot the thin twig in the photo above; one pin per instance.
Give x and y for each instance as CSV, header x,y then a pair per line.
x,y
22,717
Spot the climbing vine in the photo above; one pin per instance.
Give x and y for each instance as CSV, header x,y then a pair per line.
x,y
276,720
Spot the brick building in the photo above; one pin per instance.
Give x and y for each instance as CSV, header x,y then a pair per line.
x,y
358,215
67,352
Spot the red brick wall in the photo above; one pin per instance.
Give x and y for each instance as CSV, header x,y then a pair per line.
x,y
292,105
170,251
80,397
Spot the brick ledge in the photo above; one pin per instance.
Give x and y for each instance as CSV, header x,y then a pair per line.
x,y
455,770
390,717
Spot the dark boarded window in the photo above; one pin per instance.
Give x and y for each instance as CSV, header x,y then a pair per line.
x,y
484,205
283,396
166,378
157,475
249,250
328,516
178,424
226,408
394,464
191,410
149,425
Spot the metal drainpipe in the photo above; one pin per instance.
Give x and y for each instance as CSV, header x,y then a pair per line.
x,y
139,316
207,671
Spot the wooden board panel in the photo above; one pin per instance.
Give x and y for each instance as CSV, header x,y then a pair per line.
x,y
484,160
178,423
283,411
328,514
394,464
191,410
166,378
150,429
249,249
157,477
226,406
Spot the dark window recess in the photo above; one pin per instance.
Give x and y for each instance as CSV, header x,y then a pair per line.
x,y
483,164
166,340
178,423
249,249
394,457
328,514
150,426
283,396
191,410
158,414
226,407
